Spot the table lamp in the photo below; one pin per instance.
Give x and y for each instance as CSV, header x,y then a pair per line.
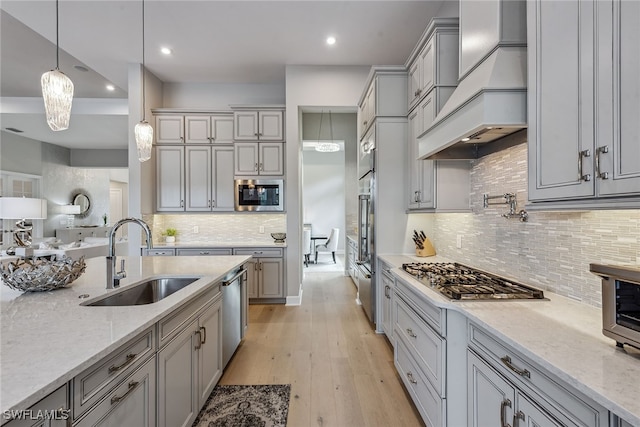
x,y
70,211
22,208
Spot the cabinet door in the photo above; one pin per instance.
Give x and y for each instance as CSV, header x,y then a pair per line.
x,y
270,126
427,168
197,129
56,401
222,129
222,185
414,83
531,415
246,158
490,398
415,165
169,129
270,158
271,278
170,178
132,403
387,303
245,125
198,171
177,382
210,354
363,117
561,130
618,150
428,66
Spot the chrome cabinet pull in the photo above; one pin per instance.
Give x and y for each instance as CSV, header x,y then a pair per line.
x,y
255,167
182,139
518,416
503,409
209,203
204,334
601,150
204,252
261,167
132,386
182,203
581,155
199,343
213,203
411,379
522,372
410,333
128,360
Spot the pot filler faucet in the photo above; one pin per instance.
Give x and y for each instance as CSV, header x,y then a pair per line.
x,y
113,279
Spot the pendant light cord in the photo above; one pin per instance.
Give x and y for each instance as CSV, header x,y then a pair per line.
x,y
144,109
320,127
57,39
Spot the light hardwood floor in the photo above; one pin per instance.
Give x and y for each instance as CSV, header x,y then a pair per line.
x,y
341,372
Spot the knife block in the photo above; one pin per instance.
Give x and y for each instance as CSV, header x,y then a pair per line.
x,y
427,251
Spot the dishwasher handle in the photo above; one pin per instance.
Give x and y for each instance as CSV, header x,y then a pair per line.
x,y
235,276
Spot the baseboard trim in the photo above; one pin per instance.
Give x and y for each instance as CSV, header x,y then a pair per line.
x,y
295,299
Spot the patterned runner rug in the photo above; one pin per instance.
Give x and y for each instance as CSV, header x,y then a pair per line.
x,y
245,405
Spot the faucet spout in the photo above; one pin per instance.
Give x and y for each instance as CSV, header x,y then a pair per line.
x,y
113,278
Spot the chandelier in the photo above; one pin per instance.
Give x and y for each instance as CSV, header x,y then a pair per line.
x,y
143,130
57,91
330,146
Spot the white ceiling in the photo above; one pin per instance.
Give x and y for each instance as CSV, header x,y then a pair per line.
x,y
212,42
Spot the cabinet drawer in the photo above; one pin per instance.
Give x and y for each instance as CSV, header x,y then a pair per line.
x,y
433,315
426,346
529,377
426,399
159,252
200,252
92,384
56,401
260,252
172,324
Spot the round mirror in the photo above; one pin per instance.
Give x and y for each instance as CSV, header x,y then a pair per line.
x,y
82,200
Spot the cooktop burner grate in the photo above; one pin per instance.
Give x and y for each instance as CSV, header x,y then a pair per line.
x,y
460,282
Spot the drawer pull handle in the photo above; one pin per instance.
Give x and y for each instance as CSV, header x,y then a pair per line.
x,y
411,379
503,409
204,252
204,334
128,360
519,416
522,372
410,333
581,155
132,386
199,343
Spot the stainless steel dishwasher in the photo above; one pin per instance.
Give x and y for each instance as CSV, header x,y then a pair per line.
x,y
235,304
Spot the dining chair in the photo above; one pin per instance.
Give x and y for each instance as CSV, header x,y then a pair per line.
x,y
331,245
306,246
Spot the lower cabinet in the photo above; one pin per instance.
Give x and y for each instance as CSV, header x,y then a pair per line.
x,y
265,273
55,406
352,257
386,286
189,366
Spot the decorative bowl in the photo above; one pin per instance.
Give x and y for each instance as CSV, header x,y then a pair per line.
x,y
39,275
279,237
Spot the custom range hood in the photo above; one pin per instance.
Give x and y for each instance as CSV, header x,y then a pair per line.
x,y
488,110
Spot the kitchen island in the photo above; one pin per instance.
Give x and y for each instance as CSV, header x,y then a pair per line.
x,y
561,336
48,338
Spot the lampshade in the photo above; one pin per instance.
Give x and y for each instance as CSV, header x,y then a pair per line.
x,y
57,92
69,209
144,139
327,147
22,207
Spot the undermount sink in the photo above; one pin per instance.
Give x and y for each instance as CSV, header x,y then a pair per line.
x,y
146,292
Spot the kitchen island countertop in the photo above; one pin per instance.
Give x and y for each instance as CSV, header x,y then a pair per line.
x,y
46,338
561,335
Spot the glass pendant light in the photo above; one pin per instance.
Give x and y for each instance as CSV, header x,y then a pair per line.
x,y
57,92
327,147
143,130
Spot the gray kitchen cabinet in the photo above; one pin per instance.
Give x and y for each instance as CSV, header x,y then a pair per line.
x,y
265,274
352,257
204,252
386,285
209,179
158,252
259,125
131,403
189,366
583,131
169,129
169,178
258,158
384,96
56,405
434,60
367,110
206,129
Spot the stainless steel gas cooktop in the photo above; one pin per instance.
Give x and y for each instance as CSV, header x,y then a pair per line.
x,y
460,282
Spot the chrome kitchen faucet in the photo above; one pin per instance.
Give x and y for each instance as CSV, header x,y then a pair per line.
x,y
113,279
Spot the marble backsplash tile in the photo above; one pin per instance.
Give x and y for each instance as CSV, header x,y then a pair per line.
x,y
552,250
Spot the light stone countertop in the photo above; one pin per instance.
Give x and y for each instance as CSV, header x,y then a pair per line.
x,y
561,335
46,338
208,244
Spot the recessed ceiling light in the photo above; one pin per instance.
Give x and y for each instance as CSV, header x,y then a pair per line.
x,y
81,68
331,40
111,88
165,50
465,139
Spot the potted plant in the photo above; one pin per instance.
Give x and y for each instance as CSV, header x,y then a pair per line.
x,y
170,235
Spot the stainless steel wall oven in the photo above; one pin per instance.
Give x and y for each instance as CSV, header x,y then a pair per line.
x,y
259,195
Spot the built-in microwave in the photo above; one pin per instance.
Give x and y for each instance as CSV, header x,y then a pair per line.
x,y
259,195
620,302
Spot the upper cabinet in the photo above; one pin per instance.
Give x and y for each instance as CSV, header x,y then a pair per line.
x,y
584,130
434,60
259,125
384,96
169,129
205,129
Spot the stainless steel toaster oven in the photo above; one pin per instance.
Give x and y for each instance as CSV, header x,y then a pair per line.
x,y
620,302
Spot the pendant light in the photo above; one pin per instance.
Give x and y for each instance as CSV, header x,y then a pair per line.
x,y
327,147
57,92
143,130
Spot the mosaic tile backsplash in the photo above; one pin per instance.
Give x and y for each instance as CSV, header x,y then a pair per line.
x,y
551,251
